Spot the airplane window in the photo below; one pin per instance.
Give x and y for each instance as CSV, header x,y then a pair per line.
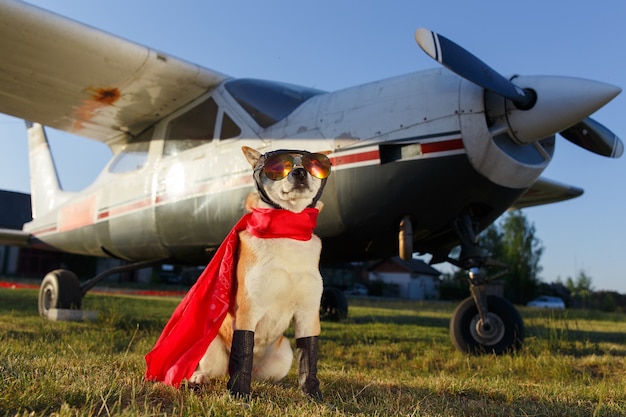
x,y
191,129
132,158
266,101
229,128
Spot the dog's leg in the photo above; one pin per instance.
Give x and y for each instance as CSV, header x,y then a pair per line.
x,y
213,364
275,363
240,363
307,366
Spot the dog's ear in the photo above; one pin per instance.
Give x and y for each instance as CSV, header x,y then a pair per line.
x,y
252,155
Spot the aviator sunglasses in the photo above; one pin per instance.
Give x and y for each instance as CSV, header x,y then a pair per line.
x,y
278,166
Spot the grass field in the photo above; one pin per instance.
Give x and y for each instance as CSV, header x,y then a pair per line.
x,y
387,359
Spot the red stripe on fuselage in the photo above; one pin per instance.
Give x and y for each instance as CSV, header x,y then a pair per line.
x,y
443,146
45,230
355,158
125,208
82,213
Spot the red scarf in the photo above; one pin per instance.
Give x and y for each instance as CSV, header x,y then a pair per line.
x,y
197,319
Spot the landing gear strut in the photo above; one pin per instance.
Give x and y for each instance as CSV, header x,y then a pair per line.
x,y
482,323
61,290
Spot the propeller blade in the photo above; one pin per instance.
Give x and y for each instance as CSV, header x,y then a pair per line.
x,y
463,63
594,137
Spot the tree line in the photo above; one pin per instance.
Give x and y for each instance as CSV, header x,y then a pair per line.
x,y
513,241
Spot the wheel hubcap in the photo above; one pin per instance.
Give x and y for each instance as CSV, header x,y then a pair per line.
x,y
489,331
48,298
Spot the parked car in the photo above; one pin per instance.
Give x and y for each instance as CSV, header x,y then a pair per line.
x,y
547,301
358,289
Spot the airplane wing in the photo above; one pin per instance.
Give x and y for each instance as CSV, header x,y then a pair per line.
x,y
546,191
78,79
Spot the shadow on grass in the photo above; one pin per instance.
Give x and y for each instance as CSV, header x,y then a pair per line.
x,y
413,320
578,343
22,301
349,396
561,332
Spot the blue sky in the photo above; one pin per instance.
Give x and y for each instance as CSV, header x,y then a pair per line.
x,y
331,44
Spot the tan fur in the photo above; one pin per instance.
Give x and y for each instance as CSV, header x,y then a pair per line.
x,y
278,281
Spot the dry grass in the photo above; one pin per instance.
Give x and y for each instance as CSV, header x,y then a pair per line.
x,y
387,359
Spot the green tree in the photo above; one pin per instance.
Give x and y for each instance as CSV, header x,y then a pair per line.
x,y
522,251
513,242
491,241
580,288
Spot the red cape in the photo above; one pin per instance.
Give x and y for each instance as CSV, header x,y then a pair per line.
x,y
197,319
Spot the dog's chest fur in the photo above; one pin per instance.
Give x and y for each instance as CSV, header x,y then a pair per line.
x,y
278,277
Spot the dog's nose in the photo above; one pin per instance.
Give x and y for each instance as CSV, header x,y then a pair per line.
x,y
299,174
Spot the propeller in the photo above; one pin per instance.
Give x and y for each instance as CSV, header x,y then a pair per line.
x,y
460,61
593,136
558,108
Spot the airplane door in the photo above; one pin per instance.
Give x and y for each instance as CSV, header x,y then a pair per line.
x,y
129,204
201,182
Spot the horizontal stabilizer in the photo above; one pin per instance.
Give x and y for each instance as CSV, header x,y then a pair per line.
x,y
10,237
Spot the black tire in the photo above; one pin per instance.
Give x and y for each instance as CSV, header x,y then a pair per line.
x,y
59,289
334,305
506,335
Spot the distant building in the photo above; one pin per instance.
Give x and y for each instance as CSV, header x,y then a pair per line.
x,y
414,279
14,209
14,212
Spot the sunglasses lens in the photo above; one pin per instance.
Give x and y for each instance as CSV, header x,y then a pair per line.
x,y
318,165
278,166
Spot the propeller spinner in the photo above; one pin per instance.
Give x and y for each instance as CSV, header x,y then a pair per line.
x,y
542,106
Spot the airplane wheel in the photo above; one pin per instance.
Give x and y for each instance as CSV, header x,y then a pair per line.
x,y
503,331
334,306
59,289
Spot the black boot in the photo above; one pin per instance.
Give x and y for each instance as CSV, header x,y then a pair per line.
x,y
240,363
306,348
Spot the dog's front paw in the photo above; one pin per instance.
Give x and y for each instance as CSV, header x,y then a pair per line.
x,y
199,378
239,386
307,368
314,391
240,363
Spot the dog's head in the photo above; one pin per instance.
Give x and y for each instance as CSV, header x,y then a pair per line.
x,y
288,179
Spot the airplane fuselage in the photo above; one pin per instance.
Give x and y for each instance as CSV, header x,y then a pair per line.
x,y
417,145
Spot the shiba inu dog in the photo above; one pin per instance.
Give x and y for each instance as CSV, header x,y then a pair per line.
x,y
277,279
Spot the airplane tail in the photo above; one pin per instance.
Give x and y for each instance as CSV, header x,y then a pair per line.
x,y
45,189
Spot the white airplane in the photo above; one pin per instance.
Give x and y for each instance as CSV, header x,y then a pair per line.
x,y
421,162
